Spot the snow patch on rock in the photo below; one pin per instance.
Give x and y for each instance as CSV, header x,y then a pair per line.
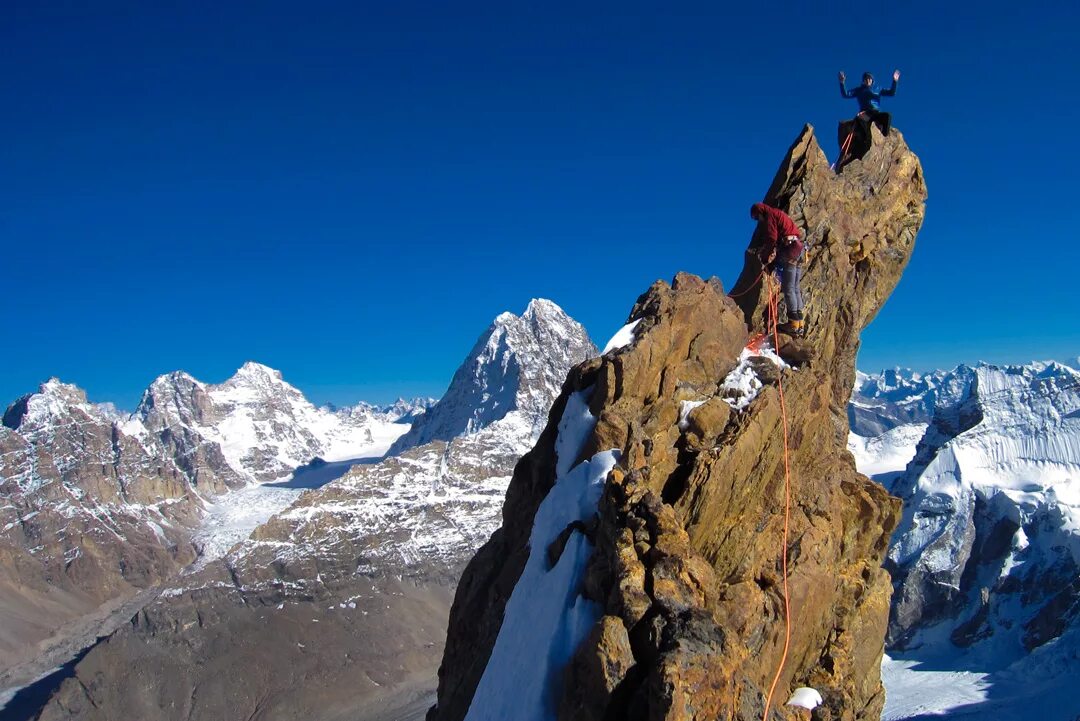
x,y
547,617
622,338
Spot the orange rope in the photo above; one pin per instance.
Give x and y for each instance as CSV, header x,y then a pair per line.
x,y
773,313
844,149
749,287
847,142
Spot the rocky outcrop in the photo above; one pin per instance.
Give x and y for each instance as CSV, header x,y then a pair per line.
x,y
680,611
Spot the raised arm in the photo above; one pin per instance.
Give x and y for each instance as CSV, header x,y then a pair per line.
x,y
895,80
843,91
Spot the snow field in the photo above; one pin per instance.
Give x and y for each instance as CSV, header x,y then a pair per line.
x,y
910,692
888,453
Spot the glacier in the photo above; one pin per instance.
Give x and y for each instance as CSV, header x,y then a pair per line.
x,y
986,560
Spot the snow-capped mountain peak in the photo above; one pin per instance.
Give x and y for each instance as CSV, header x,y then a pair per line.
x,y
901,396
539,307
407,410
53,401
256,375
515,369
265,427
254,370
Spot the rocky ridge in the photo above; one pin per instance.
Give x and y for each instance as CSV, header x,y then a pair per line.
x,y
336,607
672,570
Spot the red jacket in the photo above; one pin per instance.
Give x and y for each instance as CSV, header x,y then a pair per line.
x,y
775,228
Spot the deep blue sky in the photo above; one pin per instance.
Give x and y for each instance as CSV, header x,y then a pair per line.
x,y
351,191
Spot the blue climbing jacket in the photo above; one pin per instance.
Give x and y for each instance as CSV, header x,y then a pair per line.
x,y
868,97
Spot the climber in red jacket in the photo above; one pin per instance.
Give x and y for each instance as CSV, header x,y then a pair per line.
x,y
780,251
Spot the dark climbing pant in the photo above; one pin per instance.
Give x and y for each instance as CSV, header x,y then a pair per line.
x,y
878,118
791,283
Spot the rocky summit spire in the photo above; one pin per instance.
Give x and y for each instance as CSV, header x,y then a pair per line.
x,y
652,509
517,366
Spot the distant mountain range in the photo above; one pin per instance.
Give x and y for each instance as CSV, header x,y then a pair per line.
x,y
986,561
361,567
98,503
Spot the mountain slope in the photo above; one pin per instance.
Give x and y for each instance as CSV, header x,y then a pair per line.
x,y
985,558
90,514
989,545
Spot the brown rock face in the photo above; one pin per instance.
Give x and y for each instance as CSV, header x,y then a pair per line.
x,y
689,534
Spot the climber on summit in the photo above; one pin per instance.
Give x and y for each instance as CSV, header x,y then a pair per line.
x,y
780,251
869,97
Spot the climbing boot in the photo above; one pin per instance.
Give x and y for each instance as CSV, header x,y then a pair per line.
x,y
794,326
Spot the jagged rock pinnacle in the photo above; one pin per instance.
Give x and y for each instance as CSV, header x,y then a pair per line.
x,y
685,571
